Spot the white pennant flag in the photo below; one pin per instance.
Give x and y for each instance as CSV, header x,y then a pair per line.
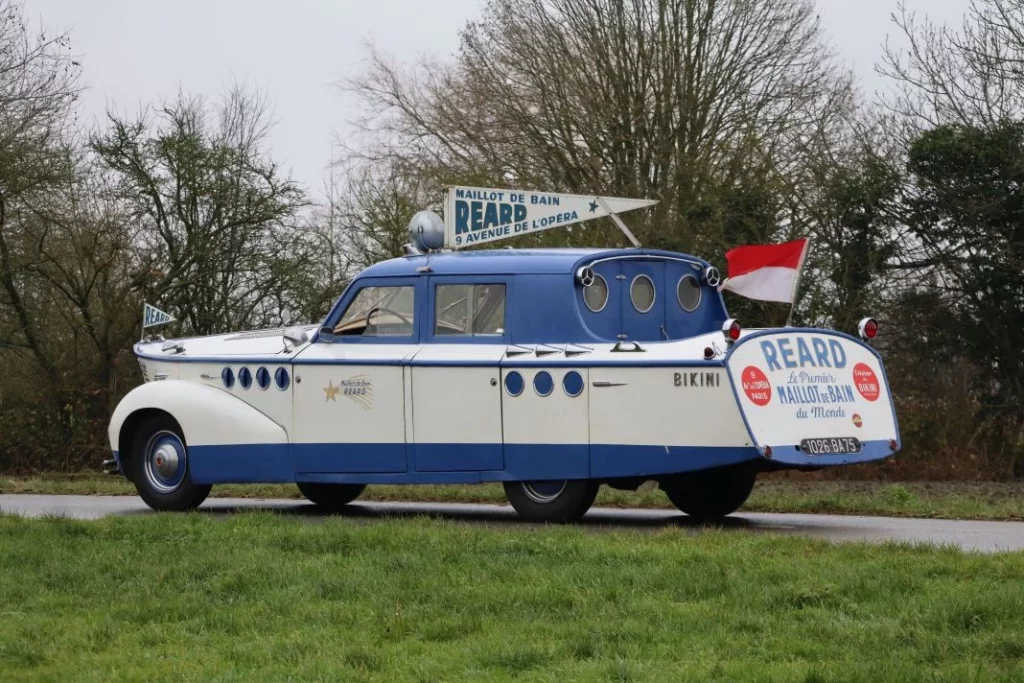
x,y
475,215
152,317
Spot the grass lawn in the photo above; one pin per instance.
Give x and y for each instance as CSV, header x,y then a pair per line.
x,y
773,493
257,597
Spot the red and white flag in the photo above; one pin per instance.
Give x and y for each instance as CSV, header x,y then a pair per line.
x,y
767,272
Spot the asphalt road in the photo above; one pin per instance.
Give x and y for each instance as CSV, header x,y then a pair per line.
x,y
975,536
968,535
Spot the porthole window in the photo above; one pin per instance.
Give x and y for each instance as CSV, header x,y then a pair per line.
x,y
595,295
263,378
514,383
641,293
572,383
281,378
542,383
227,376
688,293
244,378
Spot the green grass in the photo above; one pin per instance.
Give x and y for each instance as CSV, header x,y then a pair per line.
x,y
261,597
952,500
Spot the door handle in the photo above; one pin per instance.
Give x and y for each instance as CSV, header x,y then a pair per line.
x,y
608,383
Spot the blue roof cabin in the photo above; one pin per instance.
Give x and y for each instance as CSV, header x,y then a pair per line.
x,y
549,295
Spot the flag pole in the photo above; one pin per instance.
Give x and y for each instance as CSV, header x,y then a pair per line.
x,y
796,283
618,222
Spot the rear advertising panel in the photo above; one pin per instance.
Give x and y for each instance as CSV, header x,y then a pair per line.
x,y
815,397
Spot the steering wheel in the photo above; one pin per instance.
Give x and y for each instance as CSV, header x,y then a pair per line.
x,y
378,309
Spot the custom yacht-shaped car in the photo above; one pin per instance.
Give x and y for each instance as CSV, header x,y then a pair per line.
x,y
552,371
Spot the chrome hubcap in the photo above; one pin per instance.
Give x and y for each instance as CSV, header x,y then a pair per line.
x,y
544,491
165,462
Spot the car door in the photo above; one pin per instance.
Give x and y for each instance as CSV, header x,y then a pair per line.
x,y
455,394
350,390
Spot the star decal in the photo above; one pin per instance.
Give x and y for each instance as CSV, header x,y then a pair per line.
x,y
593,206
332,392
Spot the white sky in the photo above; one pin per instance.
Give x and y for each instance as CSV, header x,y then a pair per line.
x,y
138,51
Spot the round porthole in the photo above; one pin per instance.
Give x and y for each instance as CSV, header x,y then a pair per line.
x,y
514,383
281,378
641,293
542,383
595,295
688,293
263,378
244,378
227,376
572,383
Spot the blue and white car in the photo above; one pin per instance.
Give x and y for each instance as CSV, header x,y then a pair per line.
x,y
551,371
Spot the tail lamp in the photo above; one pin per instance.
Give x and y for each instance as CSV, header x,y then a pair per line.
x,y
867,328
731,329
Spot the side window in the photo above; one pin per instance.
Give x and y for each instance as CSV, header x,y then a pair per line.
x,y
379,312
469,310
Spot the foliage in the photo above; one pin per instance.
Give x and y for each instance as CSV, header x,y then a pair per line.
x,y
966,211
211,207
734,114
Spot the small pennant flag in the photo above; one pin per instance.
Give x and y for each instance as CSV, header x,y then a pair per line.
x,y
152,317
767,272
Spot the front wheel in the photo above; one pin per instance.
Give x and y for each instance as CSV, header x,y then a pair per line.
x,y
708,494
330,496
551,501
160,467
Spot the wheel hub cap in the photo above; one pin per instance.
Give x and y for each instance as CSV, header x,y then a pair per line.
x,y
544,491
165,462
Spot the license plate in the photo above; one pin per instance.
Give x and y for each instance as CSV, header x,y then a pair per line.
x,y
837,445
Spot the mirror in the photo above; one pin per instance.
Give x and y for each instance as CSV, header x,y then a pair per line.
x,y
326,335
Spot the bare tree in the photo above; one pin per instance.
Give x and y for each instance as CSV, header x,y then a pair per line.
x,y
671,99
216,212
969,75
38,84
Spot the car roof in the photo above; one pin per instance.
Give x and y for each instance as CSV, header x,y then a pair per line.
x,y
499,261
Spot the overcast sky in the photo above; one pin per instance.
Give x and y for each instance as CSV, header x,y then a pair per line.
x,y
138,51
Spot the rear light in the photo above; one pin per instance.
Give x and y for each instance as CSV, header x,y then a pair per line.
x,y
731,329
893,445
767,450
709,353
867,328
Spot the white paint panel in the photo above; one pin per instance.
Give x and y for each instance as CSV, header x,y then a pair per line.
x,y
553,419
272,402
809,397
349,402
208,416
457,404
645,406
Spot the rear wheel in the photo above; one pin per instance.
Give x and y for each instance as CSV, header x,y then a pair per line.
x,y
160,466
331,496
708,494
551,501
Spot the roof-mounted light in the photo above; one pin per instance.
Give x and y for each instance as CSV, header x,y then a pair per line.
x,y
867,329
731,329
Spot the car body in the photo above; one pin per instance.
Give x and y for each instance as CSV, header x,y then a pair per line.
x,y
550,370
